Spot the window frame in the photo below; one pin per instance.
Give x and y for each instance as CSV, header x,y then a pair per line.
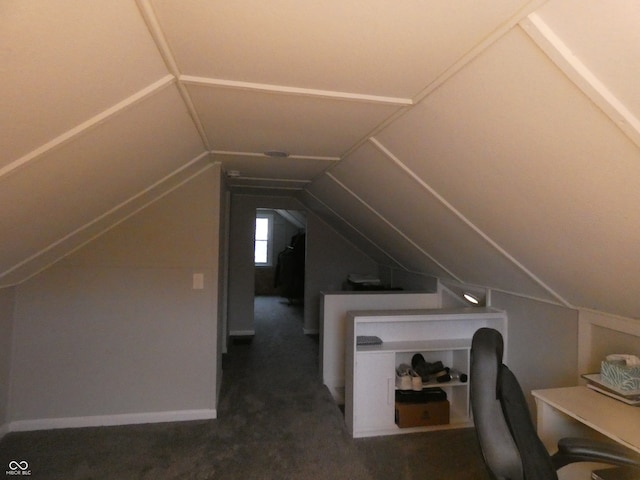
x,y
269,240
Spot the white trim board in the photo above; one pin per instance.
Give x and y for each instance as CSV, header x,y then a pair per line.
x,y
110,420
560,53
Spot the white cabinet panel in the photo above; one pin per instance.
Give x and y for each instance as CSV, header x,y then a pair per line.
x,y
374,391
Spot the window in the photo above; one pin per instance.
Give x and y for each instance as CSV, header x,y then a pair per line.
x,y
262,243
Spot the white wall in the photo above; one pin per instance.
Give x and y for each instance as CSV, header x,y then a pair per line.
x,y
115,333
542,342
410,281
7,296
330,259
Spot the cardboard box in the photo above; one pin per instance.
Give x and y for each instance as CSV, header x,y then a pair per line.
x,y
422,414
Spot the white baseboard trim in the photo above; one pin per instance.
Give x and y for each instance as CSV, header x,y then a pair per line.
x,y
241,333
111,420
338,395
311,331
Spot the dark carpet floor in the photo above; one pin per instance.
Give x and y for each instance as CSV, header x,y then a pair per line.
x,y
276,421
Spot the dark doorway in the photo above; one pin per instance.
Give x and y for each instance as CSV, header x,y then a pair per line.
x,y
280,245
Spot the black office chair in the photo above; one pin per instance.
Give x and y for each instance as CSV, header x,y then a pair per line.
x,y
508,440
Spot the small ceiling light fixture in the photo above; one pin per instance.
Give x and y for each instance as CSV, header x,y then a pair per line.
x,y
471,298
276,154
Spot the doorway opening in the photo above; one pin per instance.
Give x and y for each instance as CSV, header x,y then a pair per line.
x,y
279,258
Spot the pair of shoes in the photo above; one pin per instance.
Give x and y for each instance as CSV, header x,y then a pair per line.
x,y
407,378
426,370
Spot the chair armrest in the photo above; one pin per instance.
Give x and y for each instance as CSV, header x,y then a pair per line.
x,y
572,450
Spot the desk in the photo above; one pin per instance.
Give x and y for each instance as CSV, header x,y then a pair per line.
x,y
582,412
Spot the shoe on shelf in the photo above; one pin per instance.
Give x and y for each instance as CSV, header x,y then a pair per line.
x,y
407,378
416,381
425,369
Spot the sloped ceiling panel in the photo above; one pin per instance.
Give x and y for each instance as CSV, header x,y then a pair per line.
x,y
61,64
80,181
248,121
57,250
376,228
331,45
345,229
532,162
430,223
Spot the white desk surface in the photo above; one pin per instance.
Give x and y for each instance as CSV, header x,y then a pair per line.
x,y
616,420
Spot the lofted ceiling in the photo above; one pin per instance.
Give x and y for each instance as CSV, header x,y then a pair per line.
x,y
494,143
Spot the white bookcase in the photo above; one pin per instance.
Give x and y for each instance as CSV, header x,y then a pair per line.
x,y
438,334
334,308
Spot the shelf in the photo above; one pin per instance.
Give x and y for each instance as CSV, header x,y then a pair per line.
x,y
417,346
453,383
422,315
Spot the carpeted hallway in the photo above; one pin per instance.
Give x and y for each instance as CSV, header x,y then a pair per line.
x,y
275,421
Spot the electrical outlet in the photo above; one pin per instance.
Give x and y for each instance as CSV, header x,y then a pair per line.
x,y
198,281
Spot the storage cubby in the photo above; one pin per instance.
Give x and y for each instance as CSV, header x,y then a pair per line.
x,y
437,334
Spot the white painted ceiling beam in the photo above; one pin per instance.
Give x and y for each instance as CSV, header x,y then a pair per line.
x,y
553,46
150,19
288,90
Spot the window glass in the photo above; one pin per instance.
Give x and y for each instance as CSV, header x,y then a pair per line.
x,y
262,247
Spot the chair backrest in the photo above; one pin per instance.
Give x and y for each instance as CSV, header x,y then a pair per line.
x,y
507,437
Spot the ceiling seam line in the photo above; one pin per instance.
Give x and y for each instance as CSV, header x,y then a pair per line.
x,y
378,145
580,75
296,91
151,20
87,125
110,212
380,249
393,227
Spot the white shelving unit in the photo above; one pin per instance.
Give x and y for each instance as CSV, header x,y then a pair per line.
x,y
334,307
438,334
